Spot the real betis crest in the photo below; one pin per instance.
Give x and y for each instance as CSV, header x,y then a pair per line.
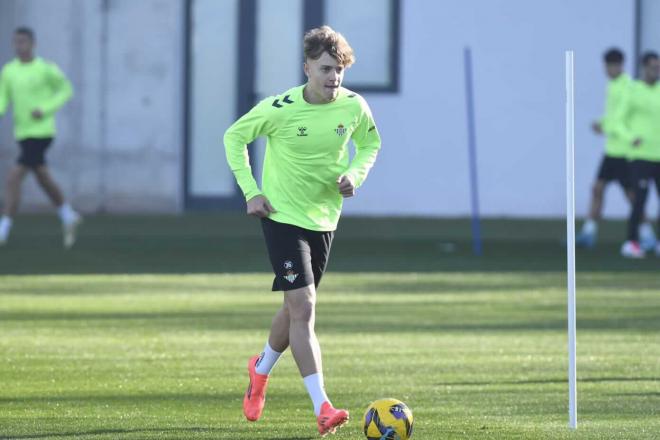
x,y
290,275
341,130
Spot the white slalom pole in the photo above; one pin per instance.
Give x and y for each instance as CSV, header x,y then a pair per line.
x,y
570,232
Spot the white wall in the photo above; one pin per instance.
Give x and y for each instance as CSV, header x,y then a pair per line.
x,y
518,55
213,94
650,35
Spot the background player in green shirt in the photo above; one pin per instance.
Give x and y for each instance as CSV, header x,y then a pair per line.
x,y
36,89
614,165
306,174
642,130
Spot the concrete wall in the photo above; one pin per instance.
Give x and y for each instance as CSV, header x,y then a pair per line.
x,y
119,145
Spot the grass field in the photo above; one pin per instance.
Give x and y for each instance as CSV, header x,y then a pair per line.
x,y
143,331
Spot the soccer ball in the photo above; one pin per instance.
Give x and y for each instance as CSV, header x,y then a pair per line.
x,y
388,419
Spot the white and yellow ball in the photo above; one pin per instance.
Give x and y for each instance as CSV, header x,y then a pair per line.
x,y
388,419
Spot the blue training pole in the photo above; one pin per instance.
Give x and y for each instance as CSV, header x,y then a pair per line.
x,y
472,149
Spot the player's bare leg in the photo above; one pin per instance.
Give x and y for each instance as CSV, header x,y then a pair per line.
x,y
70,218
13,191
279,330
302,338
589,231
647,238
597,191
12,199
307,354
49,186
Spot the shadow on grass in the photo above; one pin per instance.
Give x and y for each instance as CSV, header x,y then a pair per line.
x,y
649,394
168,431
556,381
116,400
364,319
184,402
233,244
368,284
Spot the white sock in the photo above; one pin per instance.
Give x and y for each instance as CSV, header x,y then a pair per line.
x,y
316,390
267,360
66,213
646,232
5,221
590,227
5,226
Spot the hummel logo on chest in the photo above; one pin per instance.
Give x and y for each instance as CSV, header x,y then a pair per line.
x,y
302,131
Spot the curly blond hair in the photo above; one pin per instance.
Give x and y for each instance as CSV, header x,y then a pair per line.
x,y
325,39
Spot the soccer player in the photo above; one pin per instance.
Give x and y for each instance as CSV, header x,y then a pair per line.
x,y
614,165
37,89
642,131
306,173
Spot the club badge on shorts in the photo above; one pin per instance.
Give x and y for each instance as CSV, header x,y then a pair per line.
x,y
290,274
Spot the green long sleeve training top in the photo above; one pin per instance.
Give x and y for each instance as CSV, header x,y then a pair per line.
x,y
617,93
641,120
306,152
38,84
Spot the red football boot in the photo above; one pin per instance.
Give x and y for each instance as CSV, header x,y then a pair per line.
x,y
330,419
255,396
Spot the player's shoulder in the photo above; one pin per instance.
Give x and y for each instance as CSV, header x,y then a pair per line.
x,y
282,102
637,86
10,65
620,84
348,94
47,64
279,107
622,81
353,99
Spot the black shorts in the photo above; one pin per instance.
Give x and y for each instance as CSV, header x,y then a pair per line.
x,y
641,171
33,151
298,256
615,168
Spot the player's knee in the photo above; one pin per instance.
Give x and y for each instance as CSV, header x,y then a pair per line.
x,y
597,190
41,174
301,304
14,179
302,311
284,313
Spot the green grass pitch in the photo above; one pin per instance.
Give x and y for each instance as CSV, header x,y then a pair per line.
x,y
143,331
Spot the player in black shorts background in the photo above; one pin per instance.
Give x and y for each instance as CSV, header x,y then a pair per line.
x,y
614,166
36,89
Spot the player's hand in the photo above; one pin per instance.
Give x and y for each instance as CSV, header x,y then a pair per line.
x,y
259,206
597,127
346,186
37,114
637,142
